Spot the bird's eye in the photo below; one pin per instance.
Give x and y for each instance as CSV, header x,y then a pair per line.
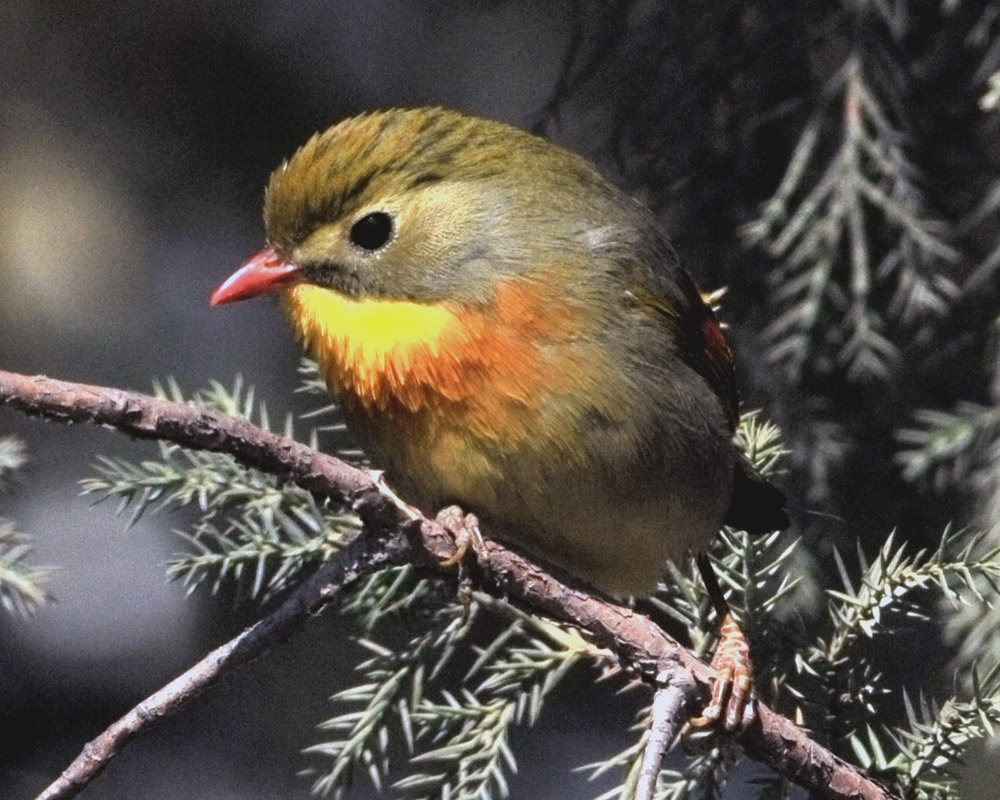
x,y
372,231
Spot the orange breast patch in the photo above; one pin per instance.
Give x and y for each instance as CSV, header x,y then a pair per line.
x,y
439,366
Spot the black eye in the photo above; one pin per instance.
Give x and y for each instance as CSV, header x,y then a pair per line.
x,y
372,230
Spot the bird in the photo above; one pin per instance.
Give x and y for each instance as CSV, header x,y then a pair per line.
x,y
508,331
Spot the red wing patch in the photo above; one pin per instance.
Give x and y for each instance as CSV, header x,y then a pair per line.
x,y
716,346
714,360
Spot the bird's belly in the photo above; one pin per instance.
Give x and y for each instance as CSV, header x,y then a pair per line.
x,y
619,549
613,529
582,452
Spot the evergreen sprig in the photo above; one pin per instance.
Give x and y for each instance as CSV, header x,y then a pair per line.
x,y
21,583
457,740
933,741
936,738
13,456
989,205
251,528
948,447
961,449
627,762
973,626
340,442
523,666
840,690
392,689
817,224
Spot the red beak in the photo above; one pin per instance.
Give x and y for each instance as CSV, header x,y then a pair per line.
x,y
265,272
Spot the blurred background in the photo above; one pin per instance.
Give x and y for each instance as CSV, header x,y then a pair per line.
x,y
833,164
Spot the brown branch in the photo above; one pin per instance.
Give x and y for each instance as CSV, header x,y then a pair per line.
x,y
390,536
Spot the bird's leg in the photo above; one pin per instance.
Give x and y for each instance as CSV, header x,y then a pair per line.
x,y
378,478
464,529
731,683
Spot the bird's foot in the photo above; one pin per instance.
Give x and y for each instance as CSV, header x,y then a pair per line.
x,y
464,529
731,684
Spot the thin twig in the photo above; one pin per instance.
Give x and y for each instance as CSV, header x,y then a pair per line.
x,y
671,702
358,559
392,536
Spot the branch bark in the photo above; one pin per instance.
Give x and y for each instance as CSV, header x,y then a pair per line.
x,y
390,535
669,713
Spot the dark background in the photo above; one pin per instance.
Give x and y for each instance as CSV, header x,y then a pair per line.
x,y
135,141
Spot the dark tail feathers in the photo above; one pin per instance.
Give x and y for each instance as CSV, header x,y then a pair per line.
x,y
756,506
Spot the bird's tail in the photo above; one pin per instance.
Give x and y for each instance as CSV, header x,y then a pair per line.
x,y
757,506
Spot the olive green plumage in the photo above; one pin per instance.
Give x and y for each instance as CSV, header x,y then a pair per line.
x,y
572,388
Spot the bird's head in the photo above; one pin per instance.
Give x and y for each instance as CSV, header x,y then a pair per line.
x,y
421,205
